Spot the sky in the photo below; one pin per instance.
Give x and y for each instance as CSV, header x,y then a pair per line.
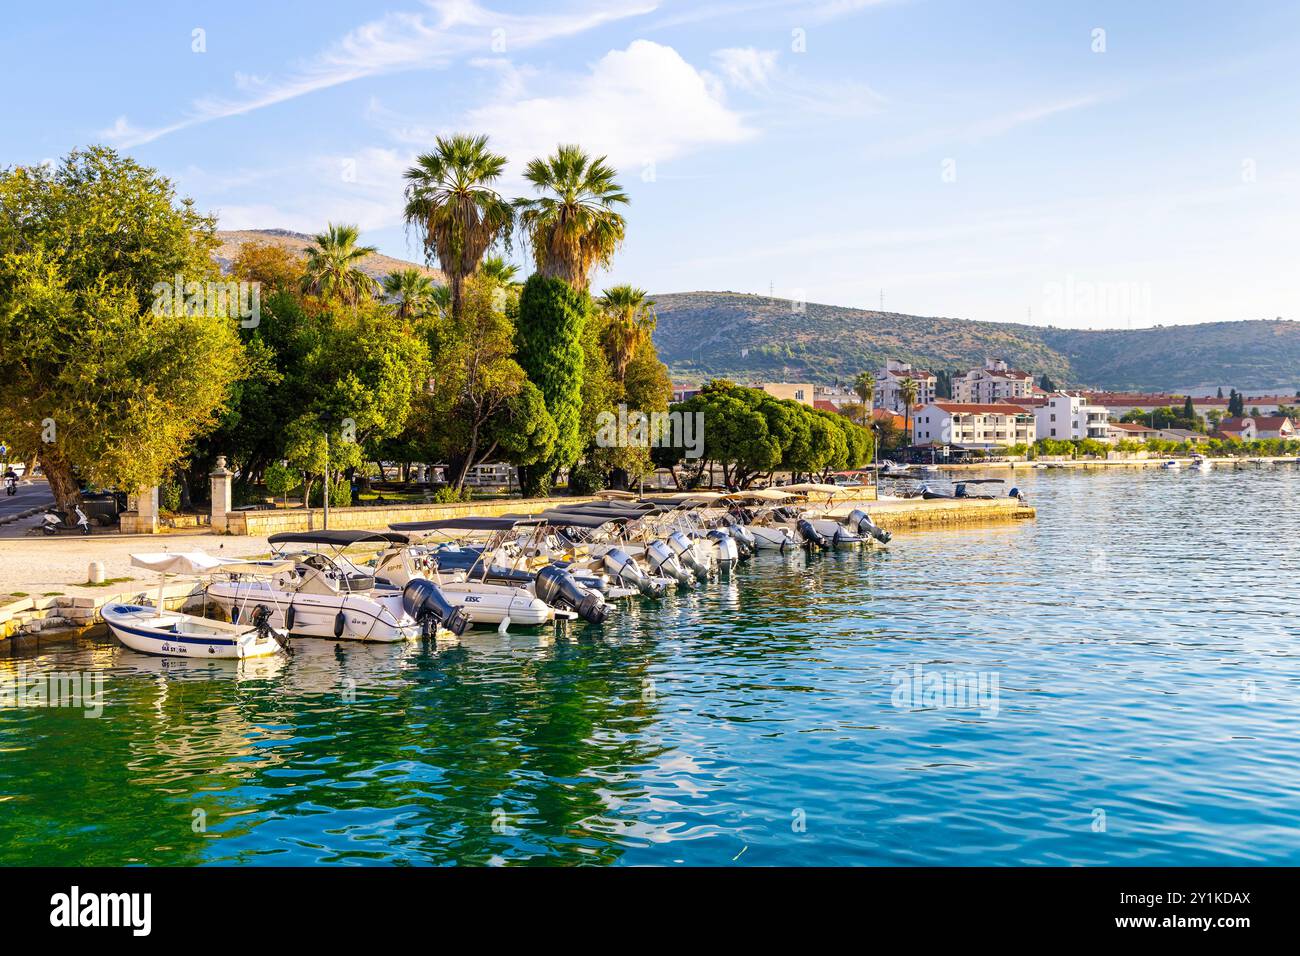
x,y
1078,164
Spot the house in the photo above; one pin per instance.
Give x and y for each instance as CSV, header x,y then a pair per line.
x,y
1121,403
1070,415
1250,428
837,395
682,392
825,405
973,424
892,376
995,382
880,416
1183,435
796,391
1132,431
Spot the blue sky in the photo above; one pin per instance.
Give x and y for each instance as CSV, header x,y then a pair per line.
x,y
996,160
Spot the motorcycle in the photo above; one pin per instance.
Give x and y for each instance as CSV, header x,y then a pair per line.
x,y
53,521
11,485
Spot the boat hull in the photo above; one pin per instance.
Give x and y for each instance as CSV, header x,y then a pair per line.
x,y
352,617
144,630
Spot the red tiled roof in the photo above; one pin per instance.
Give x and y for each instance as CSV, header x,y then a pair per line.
x,y
1131,427
973,408
824,405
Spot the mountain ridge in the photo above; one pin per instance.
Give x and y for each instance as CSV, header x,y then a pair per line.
x,y
741,335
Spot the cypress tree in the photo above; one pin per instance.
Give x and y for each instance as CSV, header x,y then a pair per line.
x,y
552,316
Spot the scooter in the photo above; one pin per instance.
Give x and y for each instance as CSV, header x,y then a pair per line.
x,y
11,485
54,521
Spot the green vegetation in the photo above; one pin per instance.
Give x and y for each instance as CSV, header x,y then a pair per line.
x,y
703,335
102,376
750,435
107,582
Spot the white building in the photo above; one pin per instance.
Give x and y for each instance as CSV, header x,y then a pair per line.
x,y
973,425
1071,415
995,382
894,374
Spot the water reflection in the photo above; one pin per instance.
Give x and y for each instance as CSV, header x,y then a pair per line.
x,y
1143,667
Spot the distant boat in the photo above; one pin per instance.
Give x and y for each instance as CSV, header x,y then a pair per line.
x,y
1171,464
1202,464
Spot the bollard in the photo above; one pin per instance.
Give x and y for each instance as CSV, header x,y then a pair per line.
x,y
96,575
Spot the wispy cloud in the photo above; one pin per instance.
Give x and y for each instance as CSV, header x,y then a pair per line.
x,y
759,73
798,12
449,31
981,129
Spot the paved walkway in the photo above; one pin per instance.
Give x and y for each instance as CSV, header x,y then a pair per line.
x,y
33,493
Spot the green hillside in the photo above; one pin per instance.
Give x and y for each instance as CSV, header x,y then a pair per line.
x,y
706,334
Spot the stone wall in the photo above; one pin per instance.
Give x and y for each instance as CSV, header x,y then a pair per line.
x,y
377,518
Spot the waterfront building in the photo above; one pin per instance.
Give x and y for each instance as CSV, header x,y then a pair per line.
x,y
995,382
795,391
1251,427
892,376
973,424
837,395
1070,415
1132,431
1121,403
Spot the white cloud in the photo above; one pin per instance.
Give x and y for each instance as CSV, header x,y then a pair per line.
x,y
643,104
451,30
758,73
745,67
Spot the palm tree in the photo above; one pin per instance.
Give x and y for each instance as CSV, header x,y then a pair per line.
x,y
333,269
440,299
907,390
411,291
449,195
629,321
496,269
864,386
572,226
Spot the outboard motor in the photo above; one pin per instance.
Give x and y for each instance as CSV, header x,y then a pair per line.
x,y
681,546
810,535
744,539
425,602
662,560
558,588
862,521
728,553
624,566
1017,494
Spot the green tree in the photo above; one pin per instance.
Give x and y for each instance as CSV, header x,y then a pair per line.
x,y
451,198
629,320
496,269
552,319
411,291
907,391
864,386
573,226
103,372
333,269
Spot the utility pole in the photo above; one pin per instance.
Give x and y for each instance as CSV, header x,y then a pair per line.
x,y
326,497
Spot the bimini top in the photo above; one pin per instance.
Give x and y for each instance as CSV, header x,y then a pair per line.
x,y
337,538
980,481
760,494
575,519
199,562
469,523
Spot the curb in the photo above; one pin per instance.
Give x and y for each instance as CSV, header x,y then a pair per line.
x,y
9,519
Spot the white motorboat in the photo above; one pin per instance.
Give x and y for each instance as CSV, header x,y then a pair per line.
x,y
160,632
1202,464
488,591
1171,464
324,594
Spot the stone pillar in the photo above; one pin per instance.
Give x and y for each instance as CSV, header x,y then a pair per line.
x,y
221,499
146,511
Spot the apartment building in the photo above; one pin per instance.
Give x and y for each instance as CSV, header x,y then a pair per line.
x,y
994,383
973,424
892,376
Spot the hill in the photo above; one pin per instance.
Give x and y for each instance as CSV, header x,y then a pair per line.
x,y
706,334
376,265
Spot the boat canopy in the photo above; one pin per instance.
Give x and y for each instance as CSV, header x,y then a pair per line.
x,y
338,538
578,520
468,523
200,562
759,494
812,488
980,481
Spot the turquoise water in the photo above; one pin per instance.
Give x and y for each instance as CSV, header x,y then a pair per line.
x,y
1135,700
